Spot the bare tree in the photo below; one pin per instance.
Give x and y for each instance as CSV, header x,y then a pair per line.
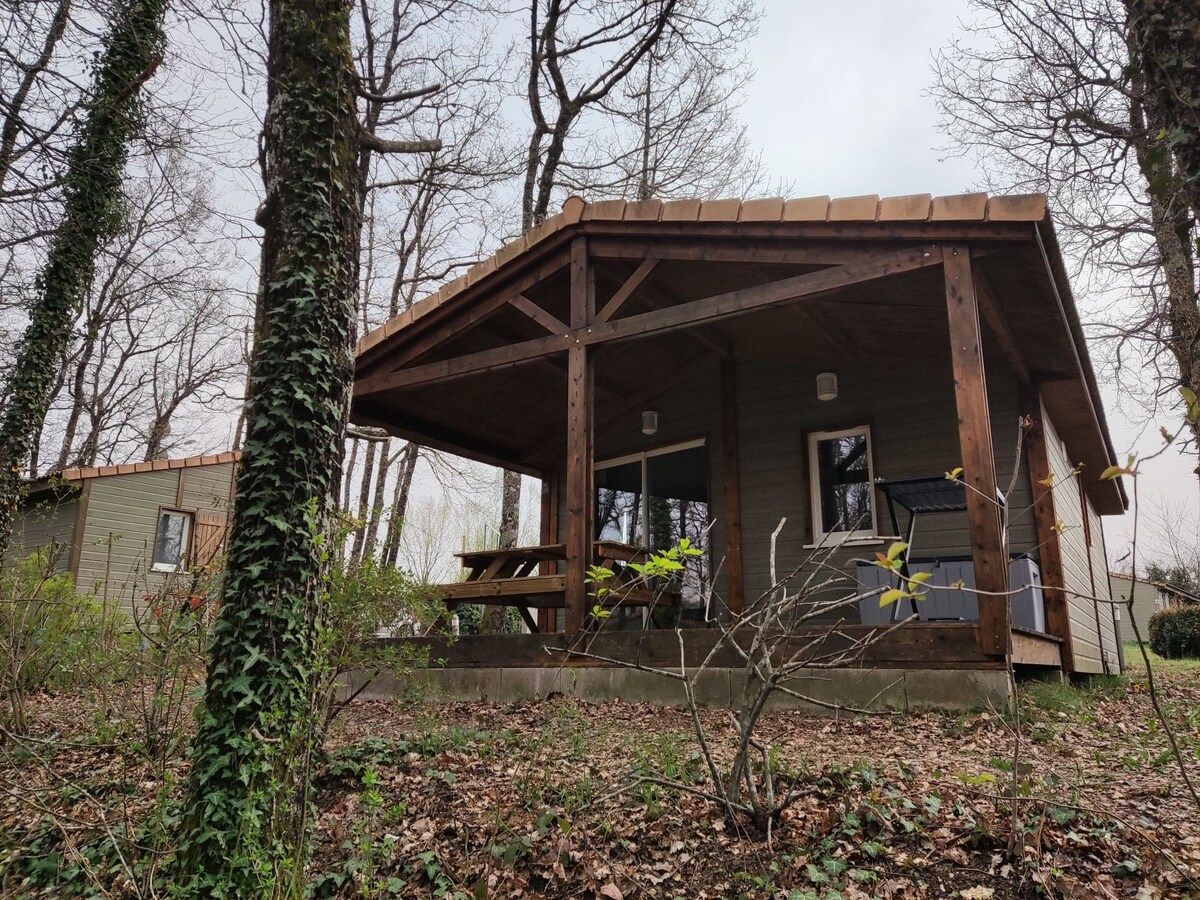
x,y
1047,95
580,60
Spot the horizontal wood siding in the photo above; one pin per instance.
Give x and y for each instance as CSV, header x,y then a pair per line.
x,y
123,510
45,519
1072,539
914,430
1103,590
207,487
1146,602
914,433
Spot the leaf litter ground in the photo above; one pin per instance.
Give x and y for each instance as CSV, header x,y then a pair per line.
x,y
542,799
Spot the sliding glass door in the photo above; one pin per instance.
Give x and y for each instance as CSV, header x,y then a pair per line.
x,y
655,499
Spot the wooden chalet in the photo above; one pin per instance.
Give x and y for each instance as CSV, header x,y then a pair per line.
x,y
704,369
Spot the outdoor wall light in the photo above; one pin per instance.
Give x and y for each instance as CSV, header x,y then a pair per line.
x,y
827,386
649,421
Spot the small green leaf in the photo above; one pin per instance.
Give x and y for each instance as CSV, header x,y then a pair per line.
x,y
890,597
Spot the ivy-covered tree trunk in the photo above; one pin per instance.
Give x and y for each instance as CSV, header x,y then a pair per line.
x,y
91,215
1164,46
1165,36
245,822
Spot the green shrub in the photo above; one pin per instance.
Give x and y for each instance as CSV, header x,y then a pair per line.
x,y
368,600
50,636
1175,632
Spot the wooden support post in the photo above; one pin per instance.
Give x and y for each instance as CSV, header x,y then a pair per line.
x,y
734,572
547,618
1050,561
580,423
978,459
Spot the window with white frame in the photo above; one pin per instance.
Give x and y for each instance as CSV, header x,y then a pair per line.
x,y
841,483
171,541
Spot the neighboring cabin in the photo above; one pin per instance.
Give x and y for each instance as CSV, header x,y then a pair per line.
x,y
1148,598
125,531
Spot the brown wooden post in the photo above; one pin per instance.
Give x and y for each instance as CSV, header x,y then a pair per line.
x,y
734,572
547,618
580,422
1050,561
978,459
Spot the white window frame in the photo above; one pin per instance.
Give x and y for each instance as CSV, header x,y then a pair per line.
x,y
155,565
814,488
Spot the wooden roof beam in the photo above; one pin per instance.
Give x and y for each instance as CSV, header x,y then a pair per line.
x,y
625,291
997,323
438,437
552,324
685,315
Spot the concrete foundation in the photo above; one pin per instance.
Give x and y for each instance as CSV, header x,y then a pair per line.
x,y
825,689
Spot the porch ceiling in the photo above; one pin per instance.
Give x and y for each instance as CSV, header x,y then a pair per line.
x,y
514,411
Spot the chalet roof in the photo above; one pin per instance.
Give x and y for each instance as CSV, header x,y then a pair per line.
x,y
157,465
769,239
865,208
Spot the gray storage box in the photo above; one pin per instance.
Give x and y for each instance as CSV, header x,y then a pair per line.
x,y
944,603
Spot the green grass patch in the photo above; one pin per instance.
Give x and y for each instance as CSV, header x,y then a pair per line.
x,y
1074,700
1137,667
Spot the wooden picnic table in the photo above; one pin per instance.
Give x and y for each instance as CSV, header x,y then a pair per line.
x,y
504,577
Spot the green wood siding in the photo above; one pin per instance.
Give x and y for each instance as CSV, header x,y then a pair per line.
x,y
914,433
1146,602
122,522
45,518
1095,646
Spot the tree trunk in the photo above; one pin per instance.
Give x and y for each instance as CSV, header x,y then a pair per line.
x,y
1172,224
378,500
1165,37
347,472
91,215
244,822
408,465
364,497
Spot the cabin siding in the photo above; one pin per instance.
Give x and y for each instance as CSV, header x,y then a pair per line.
x,y
123,512
42,520
1147,600
1079,564
1102,590
208,487
914,433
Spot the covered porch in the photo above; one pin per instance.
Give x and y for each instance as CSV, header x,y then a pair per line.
x,y
656,366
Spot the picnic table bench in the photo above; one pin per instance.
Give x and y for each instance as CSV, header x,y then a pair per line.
x,y
505,577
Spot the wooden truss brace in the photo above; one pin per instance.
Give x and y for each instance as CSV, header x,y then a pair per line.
x,y
686,315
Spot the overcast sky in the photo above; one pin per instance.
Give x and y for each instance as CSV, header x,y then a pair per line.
x,y
838,107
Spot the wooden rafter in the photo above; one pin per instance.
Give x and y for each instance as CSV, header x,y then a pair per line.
x,y
552,324
626,290
997,323
685,315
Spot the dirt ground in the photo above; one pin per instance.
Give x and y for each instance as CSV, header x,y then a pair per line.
x,y
544,800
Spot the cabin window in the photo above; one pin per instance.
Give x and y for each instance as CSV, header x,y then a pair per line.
x,y
170,544
842,483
